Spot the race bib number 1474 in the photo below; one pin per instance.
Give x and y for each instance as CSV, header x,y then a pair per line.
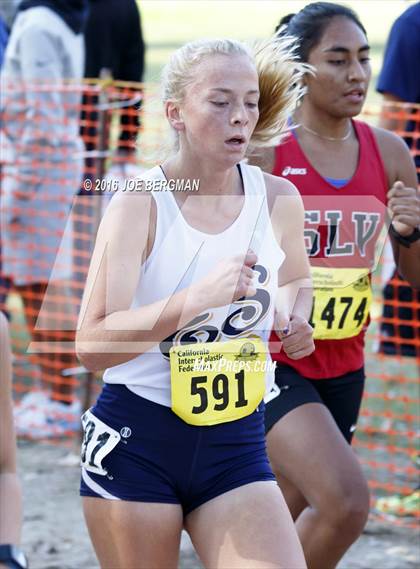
x,y
341,304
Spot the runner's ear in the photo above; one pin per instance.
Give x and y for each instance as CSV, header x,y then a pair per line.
x,y
174,116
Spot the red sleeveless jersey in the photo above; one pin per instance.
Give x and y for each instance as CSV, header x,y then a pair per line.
x,y
342,229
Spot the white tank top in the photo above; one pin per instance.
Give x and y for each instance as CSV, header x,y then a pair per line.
x,y
181,256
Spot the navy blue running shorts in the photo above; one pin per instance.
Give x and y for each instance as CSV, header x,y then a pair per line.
x,y
160,458
341,395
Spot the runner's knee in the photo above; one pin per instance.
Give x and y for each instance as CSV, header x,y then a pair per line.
x,y
348,509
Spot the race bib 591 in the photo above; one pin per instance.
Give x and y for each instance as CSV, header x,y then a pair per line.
x,y
217,382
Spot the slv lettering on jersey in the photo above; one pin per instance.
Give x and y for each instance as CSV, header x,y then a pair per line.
x,y
365,230
344,231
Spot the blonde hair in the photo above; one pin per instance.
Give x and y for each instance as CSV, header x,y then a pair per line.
x,y
279,75
280,81
178,73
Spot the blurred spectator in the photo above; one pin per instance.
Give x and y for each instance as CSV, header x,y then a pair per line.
x,y
8,9
399,82
42,155
4,35
10,491
120,55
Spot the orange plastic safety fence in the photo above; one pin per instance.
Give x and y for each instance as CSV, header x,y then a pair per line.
x,y
57,175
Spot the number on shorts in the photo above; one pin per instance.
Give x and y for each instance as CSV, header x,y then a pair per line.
x,y
88,434
98,441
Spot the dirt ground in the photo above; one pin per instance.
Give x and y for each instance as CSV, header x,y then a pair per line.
x,y
54,534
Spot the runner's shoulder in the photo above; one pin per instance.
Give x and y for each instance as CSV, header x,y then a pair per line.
x,y
279,186
280,189
391,145
127,215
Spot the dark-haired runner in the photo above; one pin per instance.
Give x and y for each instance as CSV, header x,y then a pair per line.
x,y
347,173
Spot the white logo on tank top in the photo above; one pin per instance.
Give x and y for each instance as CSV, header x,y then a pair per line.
x,y
289,171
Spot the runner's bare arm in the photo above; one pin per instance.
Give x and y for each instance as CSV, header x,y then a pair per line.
x,y
10,492
110,331
403,202
294,297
